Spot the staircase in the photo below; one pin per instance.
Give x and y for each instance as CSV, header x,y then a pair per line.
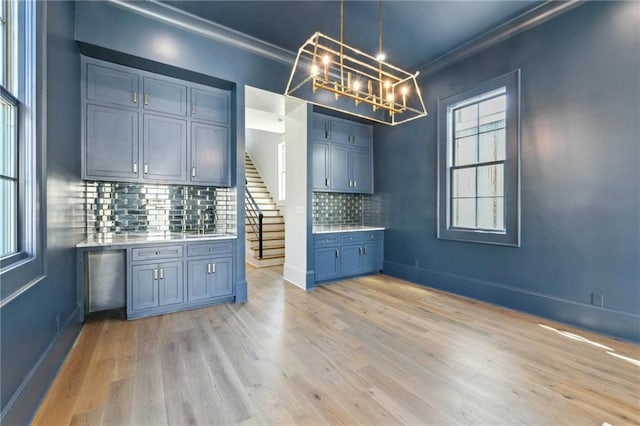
x,y
272,222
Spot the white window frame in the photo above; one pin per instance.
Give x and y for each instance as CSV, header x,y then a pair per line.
x,y
510,235
282,171
26,267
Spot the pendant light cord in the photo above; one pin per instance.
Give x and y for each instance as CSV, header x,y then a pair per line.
x,y
380,27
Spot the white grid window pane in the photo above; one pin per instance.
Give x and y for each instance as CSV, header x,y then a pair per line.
x,y
492,113
491,181
491,146
466,150
8,216
464,213
8,140
464,183
490,213
466,121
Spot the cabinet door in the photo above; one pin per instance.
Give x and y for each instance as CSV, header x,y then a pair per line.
x,y
221,276
165,149
339,175
210,155
350,260
373,257
362,170
109,85
210,105
327,263
339,131
319,127
111,143
198,278
144,287
164,96
361,135
170,283
320,166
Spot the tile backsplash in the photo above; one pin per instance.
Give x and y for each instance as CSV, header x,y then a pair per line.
x,y
330,208
118,207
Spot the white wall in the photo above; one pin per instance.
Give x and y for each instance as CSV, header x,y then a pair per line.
x,y
263,148
295,266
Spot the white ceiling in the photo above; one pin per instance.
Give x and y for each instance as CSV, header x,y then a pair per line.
x,y
264,110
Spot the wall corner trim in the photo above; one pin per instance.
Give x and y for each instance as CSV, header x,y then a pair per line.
x,y
529,19
27,398
173,16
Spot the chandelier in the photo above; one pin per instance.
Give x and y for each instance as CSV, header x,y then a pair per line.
x,y
329,73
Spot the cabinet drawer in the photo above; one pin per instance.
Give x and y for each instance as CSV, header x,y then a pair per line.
x,y
210,249
152,253
351,237
323,240
372,236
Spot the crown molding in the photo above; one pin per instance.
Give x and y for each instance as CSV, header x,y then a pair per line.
x,y
527,20
175,17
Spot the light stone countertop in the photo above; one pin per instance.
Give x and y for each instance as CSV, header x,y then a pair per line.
x,y
105,240
327,229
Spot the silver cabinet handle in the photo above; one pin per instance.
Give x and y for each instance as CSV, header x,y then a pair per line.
x,y
157,253
210,248
135,167
155,274
146,99
193,108
162,273
355,183
364,249
359,251
146,168
213,268
337,253
135,97
326,181
208,268
193,172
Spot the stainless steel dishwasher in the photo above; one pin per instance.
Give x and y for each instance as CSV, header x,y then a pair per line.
x,y
105,278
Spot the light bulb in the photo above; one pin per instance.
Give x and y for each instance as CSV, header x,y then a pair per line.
x,y
387,84
404,90
356,85
326,59
381,56
314,70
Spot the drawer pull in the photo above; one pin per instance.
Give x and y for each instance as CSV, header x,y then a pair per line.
x,y
157,253
210,248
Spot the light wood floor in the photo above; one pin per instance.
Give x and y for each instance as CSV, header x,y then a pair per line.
x,y
372,351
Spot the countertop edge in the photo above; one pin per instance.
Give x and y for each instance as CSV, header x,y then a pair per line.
x,y
338,230
151,241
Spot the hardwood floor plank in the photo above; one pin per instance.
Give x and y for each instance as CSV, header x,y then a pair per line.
x,y
371,350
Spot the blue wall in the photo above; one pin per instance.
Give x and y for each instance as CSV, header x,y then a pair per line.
x,y
580,176
32,348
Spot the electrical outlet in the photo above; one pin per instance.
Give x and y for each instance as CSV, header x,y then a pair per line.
x,y
597,299
58,325
416,263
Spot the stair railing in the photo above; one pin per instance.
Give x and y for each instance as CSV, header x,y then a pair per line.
x,y
254,215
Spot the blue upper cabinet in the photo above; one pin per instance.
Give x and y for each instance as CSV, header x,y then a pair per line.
x,y
164,149
342,155
111,147
320,166
163,95
143,127
210,155
115,86
210,105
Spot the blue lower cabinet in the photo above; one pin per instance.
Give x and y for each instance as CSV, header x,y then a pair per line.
x,y
156,285
339,255
209,278
170,284
327,263
144,287
351,260
373,256
192,275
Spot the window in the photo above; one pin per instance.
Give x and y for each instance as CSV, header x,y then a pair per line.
x,y
22,237
8,129
282,171
479,163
